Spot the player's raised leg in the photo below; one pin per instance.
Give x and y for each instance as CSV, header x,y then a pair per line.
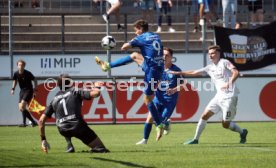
x,y
134,57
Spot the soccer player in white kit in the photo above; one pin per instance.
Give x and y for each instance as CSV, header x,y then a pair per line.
x,y
223,74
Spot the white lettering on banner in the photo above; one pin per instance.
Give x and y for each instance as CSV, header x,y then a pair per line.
x,y
175,114
106,105
132,113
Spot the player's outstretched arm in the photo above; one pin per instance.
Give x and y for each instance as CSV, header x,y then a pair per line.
x,y
126,46
96,91
186,73
44,144
178,88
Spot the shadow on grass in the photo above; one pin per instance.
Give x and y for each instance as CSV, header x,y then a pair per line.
x,y
128,151
33,165
122,162
256,146
235,145
139,151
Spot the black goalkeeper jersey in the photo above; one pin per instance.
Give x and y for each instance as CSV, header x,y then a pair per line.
x,y
67,108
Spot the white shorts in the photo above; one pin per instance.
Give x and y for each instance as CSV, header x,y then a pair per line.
x,y
112,2
228,107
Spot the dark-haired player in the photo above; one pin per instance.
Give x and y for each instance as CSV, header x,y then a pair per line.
x,y
67,106
25,79
166,95
151,61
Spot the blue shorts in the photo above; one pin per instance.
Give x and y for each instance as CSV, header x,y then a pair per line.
x,y
165,108
206,3
147,5
152,77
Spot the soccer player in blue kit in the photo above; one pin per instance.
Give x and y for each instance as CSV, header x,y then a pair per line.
x,y
151,61
166,95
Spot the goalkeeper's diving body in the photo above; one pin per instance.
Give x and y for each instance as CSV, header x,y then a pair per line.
x,y
67,108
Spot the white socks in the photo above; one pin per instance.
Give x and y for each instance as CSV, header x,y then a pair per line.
x,y
200,127
234,127
202,123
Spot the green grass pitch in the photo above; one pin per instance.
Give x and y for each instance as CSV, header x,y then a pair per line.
x,y
20,147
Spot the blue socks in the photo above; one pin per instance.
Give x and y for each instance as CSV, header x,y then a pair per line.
x,y
154,113
120,62
147,130
166,114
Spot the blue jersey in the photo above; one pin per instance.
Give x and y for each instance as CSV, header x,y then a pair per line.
x,y
168,81
151,48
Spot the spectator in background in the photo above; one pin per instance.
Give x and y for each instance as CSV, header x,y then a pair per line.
x,y
206,10
35,4
164,6
136,3
18,3
114,9
257,12
147,7
238,25
194,12
229,10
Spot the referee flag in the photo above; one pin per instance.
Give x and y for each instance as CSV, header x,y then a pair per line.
x,y
35,107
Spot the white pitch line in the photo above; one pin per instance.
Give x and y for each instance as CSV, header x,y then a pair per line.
x,y
261,149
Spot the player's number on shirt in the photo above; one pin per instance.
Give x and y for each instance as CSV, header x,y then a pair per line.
x,y
157,46
64,106
228,114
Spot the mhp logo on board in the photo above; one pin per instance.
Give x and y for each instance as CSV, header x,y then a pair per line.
x,y
59,62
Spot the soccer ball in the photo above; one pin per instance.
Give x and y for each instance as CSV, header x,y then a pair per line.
x,y
108,42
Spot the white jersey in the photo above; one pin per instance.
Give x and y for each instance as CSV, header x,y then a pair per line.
x,y
221,74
